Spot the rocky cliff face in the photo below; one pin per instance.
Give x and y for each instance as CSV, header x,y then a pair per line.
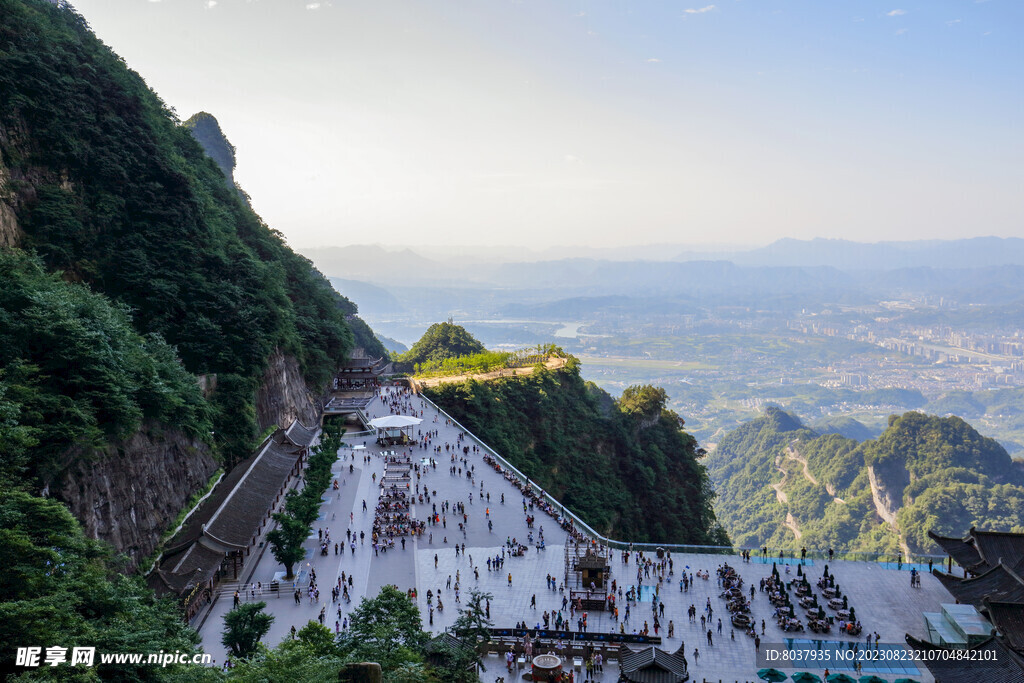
x,y
10,232
283,395
129,495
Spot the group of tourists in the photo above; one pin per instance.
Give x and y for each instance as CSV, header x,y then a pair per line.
x,y
535,499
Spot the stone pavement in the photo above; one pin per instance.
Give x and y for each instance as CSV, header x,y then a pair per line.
x,y
883,598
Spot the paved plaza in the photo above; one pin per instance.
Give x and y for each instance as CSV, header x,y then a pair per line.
x,y
883,598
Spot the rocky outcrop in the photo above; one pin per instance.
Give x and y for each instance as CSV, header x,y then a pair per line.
x,y
887,485
206,130
130,494
10,232
283,396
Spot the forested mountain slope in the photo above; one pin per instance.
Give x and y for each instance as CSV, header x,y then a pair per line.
x,y
151,325
110,190
782,484
626,467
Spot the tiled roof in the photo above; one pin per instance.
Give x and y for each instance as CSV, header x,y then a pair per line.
x,y
229,518
999,583
965,554
994,546
1008,618
300,435
239,516
989,661
982,550
651,665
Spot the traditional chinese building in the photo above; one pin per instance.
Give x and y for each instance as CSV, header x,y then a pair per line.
x,y
213,544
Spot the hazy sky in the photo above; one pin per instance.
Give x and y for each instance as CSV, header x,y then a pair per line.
x,y
538,122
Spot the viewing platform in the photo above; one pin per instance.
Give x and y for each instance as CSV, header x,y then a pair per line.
x,y
503,555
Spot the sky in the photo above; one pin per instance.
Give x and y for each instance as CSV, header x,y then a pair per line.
x,y
538,123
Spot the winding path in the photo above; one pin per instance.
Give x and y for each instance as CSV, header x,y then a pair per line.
x,y
781,496
792,454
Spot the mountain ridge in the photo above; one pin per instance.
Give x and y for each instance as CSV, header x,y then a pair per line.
x,y
878,495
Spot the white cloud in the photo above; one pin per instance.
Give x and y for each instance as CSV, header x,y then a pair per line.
x,y
572,159
580,14
210,4
896,13
954,21
700,10
901,31
654,60
313,5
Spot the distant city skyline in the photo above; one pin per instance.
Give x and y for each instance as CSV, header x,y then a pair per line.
x,y
542,124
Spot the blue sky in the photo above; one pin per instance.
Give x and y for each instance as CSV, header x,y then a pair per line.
x,y
540,123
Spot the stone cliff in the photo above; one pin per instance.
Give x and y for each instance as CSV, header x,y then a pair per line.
x,y
10,232
888,482
283,396
130,494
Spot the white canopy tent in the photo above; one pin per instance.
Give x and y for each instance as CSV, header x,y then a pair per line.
x,y
392,428
394,422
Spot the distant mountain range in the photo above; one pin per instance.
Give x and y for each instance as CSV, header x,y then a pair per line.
x,y
429,262
985,270
977,252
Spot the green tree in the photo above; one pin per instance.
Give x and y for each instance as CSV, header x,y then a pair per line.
x,y
643,400
318,640
59,587
471,627
286,541
243,628
441,341
386,629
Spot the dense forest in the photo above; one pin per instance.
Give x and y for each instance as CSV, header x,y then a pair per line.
x,y
111,191
776,479
128,268
626,467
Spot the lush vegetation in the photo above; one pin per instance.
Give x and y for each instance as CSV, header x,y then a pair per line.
x,y
244,626
59,588
487,361
625,467
439,342
386,629
302,507
74,373
139,269
932,473
111,190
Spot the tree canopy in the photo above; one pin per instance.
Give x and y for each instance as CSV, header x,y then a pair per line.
x,y
628,477
114,192
442,341
942,474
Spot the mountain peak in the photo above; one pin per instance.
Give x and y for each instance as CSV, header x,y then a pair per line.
x,y
206,130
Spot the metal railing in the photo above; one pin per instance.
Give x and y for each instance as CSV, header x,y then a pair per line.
x,y
789,555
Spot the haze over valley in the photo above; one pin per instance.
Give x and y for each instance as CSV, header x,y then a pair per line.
x,y
807,325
